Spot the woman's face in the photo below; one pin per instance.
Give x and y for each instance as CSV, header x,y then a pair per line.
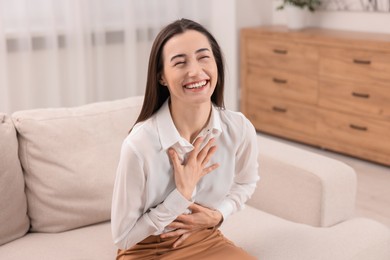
x,y
190,71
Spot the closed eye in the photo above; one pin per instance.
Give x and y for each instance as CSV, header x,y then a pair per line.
x,y
178,63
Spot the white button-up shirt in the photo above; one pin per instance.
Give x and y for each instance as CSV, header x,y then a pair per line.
x,y
145,198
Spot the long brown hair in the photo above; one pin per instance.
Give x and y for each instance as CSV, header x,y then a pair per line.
x,y
155,93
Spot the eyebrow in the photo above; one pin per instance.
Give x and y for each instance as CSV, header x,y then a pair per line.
x,y
183,55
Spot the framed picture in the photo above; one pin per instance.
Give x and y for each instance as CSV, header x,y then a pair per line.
x,y
356,5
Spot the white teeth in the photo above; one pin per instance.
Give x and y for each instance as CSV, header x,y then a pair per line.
x,y
196,85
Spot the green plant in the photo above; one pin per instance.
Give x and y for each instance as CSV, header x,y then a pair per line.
x,y
310,4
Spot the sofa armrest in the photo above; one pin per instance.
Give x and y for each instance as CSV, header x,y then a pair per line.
x,y
303,186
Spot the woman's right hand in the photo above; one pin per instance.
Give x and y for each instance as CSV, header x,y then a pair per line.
x,y
188,175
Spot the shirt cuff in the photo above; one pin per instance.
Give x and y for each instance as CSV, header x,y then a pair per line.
x,y
176,203
226,208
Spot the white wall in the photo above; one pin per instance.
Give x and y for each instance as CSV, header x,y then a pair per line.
x,y
249,13
253,12
354,21
225,25
223,29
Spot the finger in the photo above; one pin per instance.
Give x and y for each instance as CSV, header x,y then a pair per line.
x,y
184,218
210,153
210,169
181,239
205,150
174,233
174,158
179,225
198,142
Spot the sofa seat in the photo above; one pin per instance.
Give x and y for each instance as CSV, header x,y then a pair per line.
x,y
269,237
261,234
86,243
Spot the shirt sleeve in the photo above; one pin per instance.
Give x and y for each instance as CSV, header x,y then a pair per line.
x,y
246,172
131,221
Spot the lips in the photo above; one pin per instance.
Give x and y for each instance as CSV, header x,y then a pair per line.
x,y
196,85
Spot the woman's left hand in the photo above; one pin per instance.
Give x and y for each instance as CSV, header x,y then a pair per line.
x,y
186,224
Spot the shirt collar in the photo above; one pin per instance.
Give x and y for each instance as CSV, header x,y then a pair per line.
x,y
168,133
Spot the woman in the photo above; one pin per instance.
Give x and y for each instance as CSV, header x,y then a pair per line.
x,y
187,163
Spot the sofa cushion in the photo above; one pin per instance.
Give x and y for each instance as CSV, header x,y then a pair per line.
x,y
69,156
14,222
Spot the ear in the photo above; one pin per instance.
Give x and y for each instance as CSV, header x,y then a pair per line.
x,y
162,81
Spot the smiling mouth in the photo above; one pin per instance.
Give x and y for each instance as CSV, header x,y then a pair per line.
x,y
196,85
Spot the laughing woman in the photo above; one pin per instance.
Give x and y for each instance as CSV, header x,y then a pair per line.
x,y
188,163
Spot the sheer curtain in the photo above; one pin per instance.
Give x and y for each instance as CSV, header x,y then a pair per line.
x,y
70,52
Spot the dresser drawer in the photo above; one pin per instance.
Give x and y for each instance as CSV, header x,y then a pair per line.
x,y
281,84
356,66
283,55
281,117
363,137
356,98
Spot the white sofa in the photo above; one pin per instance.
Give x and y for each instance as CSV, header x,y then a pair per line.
x,y
57,168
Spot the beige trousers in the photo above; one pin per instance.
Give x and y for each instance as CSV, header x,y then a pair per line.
x,y
207,244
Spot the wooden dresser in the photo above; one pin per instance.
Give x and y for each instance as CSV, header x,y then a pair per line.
x,y
322,87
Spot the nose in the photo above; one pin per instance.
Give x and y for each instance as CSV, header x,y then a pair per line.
x,y
194,69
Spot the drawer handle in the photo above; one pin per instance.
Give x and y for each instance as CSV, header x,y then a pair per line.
x,y
357,127
360,95
279,81
279,51
279,109
363,62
